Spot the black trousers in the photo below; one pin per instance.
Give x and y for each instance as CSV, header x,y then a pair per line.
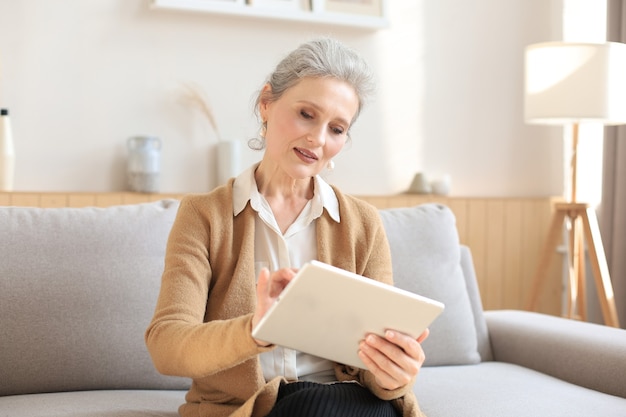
x,y
309,399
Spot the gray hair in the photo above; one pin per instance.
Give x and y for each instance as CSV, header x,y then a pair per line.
x,y
319,58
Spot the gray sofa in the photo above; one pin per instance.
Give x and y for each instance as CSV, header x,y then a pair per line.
x,y
78,288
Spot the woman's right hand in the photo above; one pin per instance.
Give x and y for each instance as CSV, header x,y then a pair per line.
x,y
268,288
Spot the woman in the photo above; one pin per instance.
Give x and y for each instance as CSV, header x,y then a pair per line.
x,y
276,216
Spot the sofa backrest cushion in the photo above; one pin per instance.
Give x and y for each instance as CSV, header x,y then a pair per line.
x,y
78,288
480,321
426,257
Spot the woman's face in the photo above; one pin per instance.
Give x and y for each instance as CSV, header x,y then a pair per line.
x,y
308,125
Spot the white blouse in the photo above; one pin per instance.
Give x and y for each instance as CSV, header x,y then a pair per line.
x,y
275,250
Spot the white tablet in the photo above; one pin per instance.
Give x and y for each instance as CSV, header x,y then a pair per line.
x,y
326,311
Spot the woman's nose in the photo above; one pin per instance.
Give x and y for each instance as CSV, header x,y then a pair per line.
x,y
317,136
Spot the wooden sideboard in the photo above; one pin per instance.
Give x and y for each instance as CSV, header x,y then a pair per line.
x,y
505,235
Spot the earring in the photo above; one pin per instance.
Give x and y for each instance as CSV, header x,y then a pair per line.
x,y
258,143
263,129
330,165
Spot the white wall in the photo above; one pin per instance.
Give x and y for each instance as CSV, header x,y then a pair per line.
x,y
472,109
79,77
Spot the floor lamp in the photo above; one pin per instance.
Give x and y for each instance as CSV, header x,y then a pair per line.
x,y
569,84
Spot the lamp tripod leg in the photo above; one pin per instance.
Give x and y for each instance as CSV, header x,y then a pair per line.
x,y
576,307
582,270
600,267
572,268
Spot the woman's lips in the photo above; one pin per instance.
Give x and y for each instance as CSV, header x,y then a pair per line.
x,y
306,155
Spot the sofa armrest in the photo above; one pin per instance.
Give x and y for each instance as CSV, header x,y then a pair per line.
x,y
585,354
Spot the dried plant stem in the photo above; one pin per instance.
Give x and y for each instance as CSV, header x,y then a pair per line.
x,y
197,97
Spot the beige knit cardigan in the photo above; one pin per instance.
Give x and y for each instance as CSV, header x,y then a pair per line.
x,y
202,321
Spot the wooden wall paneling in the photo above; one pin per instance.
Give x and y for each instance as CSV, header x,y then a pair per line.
x,y
537,215
553,289
26,199
53,200
109,199
439,200
77,200
477,241
531,246
381,202
513,243
400,200
157,197
495,248
136,198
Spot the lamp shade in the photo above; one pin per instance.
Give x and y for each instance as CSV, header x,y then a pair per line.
x,y
575,82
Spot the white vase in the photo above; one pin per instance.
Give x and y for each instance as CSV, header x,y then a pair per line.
x,y
7,152
442,185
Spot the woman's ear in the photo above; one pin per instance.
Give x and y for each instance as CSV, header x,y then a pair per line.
x,y
264,100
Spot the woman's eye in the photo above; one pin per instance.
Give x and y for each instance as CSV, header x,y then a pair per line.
x,y
337,130
306,115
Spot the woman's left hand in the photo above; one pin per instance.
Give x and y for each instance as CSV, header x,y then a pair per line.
x,y
394,359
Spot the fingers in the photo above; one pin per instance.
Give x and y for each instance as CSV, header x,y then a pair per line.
x,y
394,359
278,280
269,287
385,361
423,336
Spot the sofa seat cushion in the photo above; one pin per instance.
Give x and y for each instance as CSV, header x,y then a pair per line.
x,y
94,403
426,256
78,288
498,389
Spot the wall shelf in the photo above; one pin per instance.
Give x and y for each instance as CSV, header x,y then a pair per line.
x,y
267,11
